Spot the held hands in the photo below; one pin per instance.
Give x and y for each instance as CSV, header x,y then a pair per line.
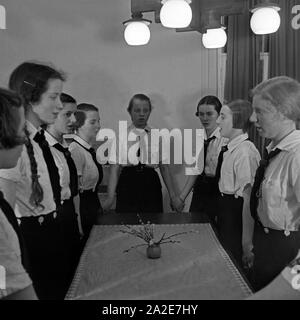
x,y
248,258
107,204
177,204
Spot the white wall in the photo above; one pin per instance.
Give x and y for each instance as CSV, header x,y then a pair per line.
x,y
85,38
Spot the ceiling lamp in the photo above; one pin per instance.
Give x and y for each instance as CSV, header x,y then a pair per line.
x,y
265,18
2,18
176,13
214,38
137,32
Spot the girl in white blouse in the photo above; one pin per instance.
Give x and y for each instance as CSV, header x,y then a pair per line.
x,y
237,164
33,186
89,170
14,280
205,188
275,202
136,183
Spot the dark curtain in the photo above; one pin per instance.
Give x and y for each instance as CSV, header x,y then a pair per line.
x,y
285,44
243,65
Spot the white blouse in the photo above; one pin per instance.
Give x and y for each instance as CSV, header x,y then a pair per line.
x,y
279,206
21,176
62,166
239,166
152,152
87,170
13,276
212,154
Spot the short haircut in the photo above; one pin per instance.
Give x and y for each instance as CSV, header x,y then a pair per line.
x,y
141,97
9,119
80,114
241,112
66,98
212,100
283,93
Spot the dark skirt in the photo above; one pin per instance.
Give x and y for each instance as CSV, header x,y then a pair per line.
x,y
272,252
139,191
90,208
230,225
71,235
205,194
47,254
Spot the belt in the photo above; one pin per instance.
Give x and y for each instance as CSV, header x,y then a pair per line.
x,y
138,168
273,231
88,191
41,219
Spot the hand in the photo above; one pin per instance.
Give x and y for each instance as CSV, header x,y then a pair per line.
x,y
107,204
177,204
248,259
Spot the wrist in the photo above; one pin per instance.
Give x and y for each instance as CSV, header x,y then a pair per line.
x,y
248,247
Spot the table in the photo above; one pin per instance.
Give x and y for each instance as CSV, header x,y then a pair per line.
x,y
195,268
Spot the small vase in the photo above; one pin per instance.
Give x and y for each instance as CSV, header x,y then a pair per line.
x,y
153,251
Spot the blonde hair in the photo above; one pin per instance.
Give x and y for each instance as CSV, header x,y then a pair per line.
x,y
283,93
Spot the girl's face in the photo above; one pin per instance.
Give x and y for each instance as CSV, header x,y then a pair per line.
x,y
208,116
140,113
225,122
91,124
266,118
65,119
49,105
10,157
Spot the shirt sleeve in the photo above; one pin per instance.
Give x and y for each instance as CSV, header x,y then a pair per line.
x,y
294,175
245,169
13,174
78,158
13,276
291,273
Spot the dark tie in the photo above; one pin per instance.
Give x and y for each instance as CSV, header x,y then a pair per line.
x,y
219,164
52,168
206,144
99,166
10,216
259,177
138,153
72,168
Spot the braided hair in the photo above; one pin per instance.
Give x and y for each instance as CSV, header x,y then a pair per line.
x,y
30,81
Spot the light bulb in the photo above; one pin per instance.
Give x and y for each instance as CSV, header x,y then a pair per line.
x,y
265,20
137,33
176,13
214,38
2,17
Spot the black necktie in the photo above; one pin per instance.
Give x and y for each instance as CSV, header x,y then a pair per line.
x,y
98,165
259,177
206,144
219,164
10,216
72,168
138,153
52,168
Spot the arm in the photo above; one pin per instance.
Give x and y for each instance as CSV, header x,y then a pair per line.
x,y
8,187
27,293
112,185
188,187
76,201
176,202
248,227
